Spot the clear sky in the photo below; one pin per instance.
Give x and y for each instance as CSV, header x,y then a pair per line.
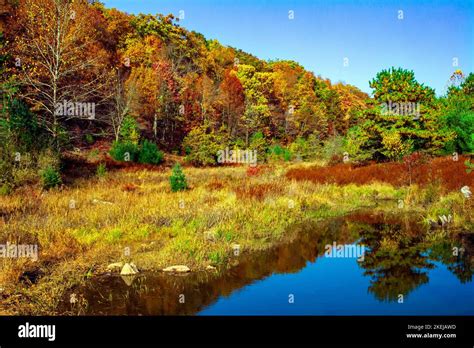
x,y
428,37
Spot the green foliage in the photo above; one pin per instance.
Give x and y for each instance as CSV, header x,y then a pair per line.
x,y
392,136
201,146
259,144
457,114
468,85
356,145
216,257
101,170
305,149
17,168
89,138
279,153
469,166
21,139
462,123
400,85
124,151
178,179
128,151
50,178
5,189
129,131
149,153
21,127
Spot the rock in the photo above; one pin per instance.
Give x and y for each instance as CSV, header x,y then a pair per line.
x,y
129,269
211,268
466,191
128,279
115,267
177,269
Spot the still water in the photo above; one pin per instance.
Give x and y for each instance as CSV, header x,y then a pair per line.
x,y
406,270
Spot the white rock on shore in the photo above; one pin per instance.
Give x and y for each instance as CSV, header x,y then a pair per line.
x,y
129,269
177,269
115,267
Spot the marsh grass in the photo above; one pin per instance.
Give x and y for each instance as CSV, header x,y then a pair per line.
x,y
136,209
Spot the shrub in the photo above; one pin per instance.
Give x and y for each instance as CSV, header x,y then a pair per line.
x,y
124,151
178,179
306,149
279,153
149,153
201,146
50,178
129,131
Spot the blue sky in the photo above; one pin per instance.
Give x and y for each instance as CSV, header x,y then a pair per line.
x,y
431,36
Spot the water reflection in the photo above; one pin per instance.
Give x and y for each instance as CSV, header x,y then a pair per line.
x,y
399,255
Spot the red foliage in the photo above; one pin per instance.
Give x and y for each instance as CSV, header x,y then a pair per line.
x,y
450,174
253,171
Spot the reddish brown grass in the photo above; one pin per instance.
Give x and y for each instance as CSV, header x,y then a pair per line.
x,y
256,191
253,171
215,184
129,187
449,174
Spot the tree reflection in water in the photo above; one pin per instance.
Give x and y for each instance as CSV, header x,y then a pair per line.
x,y
399,253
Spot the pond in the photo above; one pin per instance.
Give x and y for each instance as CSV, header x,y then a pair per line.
x,y
404,269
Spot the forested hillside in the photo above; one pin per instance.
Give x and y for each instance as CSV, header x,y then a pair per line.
x,y
76,73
